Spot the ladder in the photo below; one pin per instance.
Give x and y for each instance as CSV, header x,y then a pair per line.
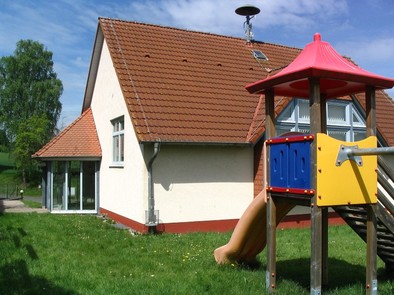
x,y
356,216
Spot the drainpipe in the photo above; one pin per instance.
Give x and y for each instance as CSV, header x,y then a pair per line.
x,y
152,222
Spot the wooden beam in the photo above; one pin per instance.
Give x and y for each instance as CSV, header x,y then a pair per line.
x,y
323,129
270,277
371,268
316,212
370,110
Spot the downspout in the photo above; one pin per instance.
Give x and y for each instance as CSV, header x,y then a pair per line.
x,y
152,222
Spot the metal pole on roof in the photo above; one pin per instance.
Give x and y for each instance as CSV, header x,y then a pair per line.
x,y
249,11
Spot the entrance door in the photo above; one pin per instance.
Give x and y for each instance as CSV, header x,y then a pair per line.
x,y
88,185
74,186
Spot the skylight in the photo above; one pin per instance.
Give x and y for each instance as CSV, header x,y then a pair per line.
x,y
258,54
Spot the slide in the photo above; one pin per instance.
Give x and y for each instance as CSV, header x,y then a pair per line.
x,y
249,236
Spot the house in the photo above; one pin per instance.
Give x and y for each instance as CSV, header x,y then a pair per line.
x,y
169,139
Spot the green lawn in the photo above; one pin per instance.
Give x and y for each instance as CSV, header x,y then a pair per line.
x,y
10,180
6,160
7,169
79,254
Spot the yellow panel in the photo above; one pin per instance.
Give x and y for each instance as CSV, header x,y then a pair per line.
x,y
348,183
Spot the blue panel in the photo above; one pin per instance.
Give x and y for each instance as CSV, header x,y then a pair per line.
x,y
278,165
299,165
290,165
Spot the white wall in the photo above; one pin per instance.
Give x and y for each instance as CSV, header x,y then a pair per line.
x,y
199,183
192,183
122,190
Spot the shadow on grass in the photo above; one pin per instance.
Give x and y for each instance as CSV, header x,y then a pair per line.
x,y
15,279
340,273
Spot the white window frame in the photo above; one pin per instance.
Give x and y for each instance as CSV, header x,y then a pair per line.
x,y
118,141
66,193
348,126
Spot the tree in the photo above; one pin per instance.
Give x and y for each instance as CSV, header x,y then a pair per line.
x,y
28,87
29,100
31,136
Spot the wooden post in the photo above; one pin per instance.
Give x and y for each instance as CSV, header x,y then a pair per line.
x,y
270,277
371,268
316,212
323,129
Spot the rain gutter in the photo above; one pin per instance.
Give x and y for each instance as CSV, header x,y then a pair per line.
x,y
152,218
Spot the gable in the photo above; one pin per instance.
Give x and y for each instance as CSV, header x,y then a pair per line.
x,y
184,86
78,140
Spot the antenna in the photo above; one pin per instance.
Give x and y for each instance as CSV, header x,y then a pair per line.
x,y
249,11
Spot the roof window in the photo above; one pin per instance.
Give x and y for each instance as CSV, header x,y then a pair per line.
x,y
258,54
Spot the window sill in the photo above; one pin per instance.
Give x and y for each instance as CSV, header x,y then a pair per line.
x,y
116,165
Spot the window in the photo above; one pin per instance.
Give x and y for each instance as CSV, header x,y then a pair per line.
x,y
258,54
74,186
118,141
344,122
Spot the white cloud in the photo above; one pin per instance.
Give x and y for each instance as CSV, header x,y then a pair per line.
x,y
374,50
219,17
68,27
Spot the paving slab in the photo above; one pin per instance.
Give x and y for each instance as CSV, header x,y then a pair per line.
x,y
17,206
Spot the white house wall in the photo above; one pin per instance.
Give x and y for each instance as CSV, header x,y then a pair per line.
x,y
122,190
191,183
202,183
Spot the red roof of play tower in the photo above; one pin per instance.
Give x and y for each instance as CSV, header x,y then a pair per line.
x,y
338,76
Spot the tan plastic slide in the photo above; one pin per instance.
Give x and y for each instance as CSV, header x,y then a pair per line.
x,y
249,236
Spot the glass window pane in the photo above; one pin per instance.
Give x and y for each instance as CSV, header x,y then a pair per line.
x,y
287,114
117,140
121,148
303,110
357,119
336,113
116,148
74,185
59,185
338,134
304,130
89,185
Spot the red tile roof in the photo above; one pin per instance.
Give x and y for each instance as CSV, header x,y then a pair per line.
x,y
384,115
78,140
338,75
186,86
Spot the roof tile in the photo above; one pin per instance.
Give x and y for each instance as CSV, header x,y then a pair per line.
x,y
78,140
188,86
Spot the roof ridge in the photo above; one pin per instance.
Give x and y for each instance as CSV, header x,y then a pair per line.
x,y
193,31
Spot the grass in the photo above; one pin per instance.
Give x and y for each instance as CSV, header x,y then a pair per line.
x,y
33,203
6,160
9,177
80,254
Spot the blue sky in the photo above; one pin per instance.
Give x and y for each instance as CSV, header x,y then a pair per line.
x,y
361,29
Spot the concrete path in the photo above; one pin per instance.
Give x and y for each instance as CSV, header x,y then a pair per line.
x,y
17,206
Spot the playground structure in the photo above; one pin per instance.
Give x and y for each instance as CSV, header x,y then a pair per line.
x,y
318,171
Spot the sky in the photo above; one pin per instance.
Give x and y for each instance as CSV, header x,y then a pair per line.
x,y
360,29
